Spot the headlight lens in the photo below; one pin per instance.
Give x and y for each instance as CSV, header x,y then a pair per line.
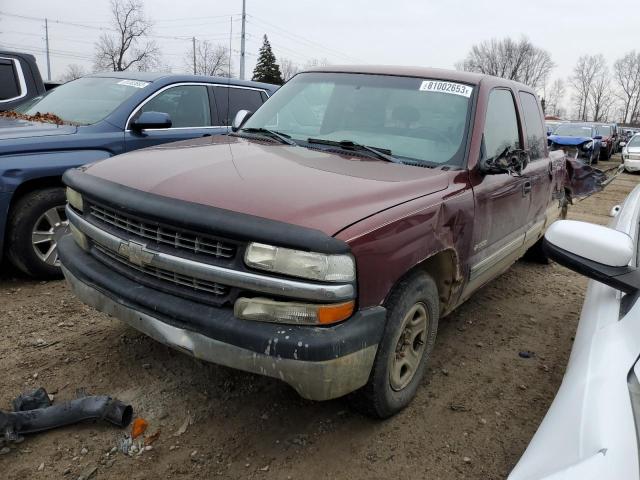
x,y
297,263
266,310
587,146
75,199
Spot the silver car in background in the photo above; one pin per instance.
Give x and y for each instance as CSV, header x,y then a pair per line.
x,y
631,154
591,428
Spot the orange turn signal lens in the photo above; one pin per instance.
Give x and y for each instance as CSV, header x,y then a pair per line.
x,y
328,314
267,310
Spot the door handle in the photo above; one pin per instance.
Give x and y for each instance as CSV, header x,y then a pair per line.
x,y
526,188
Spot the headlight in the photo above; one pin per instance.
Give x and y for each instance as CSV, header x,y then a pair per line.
x,y
297,263
604,143
266,310
75,199
587,146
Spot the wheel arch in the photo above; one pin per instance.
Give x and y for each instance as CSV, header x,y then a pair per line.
x,y
444,268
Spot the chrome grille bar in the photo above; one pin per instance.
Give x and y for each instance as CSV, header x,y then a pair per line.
x,y
285,287
193,242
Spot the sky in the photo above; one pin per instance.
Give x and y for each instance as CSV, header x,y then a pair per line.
x,y
402,32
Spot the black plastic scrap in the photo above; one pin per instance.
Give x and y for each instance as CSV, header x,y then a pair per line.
x,y
33,412
582,179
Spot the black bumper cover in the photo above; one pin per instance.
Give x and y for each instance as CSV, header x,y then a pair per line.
x,y
362,330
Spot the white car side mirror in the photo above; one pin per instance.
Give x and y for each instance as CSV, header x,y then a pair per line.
x,y
595,251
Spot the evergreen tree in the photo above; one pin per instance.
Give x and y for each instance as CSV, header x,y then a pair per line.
x,y
267,70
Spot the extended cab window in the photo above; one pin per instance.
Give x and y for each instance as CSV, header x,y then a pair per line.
x,y
536,139
501,126
9,87
187,105
230,100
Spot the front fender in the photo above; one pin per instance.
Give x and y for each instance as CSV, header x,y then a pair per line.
x,y
391,243
17,169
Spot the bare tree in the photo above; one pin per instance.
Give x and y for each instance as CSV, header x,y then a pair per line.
x,y
601,95
129,46
585,73
555,97
212,60
288,68
515,60
626,73
72,72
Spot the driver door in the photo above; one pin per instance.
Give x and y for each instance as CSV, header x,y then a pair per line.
x,y
501,200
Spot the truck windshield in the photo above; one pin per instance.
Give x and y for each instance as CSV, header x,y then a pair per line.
x,y
84,101
417,119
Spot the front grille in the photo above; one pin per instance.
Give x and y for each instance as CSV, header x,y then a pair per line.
x,y
162,274
191,242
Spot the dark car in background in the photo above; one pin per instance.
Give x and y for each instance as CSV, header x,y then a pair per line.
x,y
20,79
579,140
96,117
608,143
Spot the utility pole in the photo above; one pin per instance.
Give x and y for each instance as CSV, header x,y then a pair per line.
x,y
46,38
230,43
194,54
242,35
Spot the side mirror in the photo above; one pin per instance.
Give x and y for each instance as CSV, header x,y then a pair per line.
x,y
597,252
598,137
151,120
241,117
510,161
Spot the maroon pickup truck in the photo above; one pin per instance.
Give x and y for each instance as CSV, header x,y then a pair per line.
x,y
323,240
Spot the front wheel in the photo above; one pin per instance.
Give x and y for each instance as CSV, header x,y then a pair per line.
x,y
403,353
36,223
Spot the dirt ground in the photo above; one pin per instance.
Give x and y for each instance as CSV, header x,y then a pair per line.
x,y
472,419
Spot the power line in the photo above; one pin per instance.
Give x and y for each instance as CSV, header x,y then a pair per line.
x,y
303,39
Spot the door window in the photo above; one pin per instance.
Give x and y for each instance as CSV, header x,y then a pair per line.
x,y
536,138
230,100
9,87
501,126
187,105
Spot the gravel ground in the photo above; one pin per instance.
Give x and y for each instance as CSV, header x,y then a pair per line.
x,y
474,415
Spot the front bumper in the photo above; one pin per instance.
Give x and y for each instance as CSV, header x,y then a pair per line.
x,y
320,363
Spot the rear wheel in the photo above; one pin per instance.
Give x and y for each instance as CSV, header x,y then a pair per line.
x,y
36,222
403,353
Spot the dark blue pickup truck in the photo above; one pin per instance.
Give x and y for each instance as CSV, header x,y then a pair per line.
x,y
100,116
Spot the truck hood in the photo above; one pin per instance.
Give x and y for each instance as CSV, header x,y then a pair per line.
x,y
569,141
11,128
310,188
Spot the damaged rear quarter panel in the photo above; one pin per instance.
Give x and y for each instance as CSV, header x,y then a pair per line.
x,y
389,244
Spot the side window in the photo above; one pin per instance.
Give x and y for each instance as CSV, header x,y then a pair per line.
x,y
230,100
187,105
501,127
9,86
536,138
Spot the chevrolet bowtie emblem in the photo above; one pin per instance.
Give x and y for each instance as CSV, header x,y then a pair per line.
x,y
137,253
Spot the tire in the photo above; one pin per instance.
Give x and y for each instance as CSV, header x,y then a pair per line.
x,y
388,391
536,254
31,220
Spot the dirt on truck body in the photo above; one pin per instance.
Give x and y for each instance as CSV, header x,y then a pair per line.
x,y
322,241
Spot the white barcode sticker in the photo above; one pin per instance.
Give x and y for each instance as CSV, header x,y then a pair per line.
x,y
133,83
446,87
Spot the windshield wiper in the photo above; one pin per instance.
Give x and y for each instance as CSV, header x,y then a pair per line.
x,y
381,153
283,137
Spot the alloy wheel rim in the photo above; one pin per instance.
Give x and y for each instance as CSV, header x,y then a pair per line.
x,y
410,347
47,230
